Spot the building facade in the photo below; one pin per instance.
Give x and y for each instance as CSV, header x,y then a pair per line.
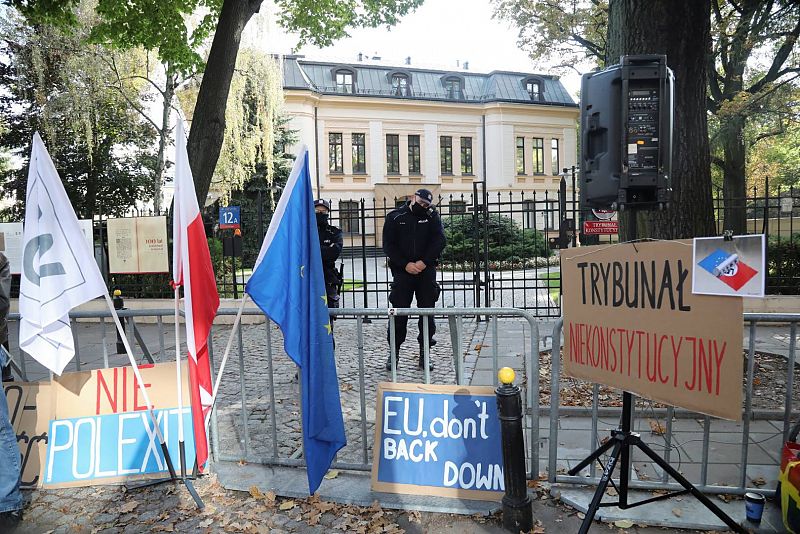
x,y
378,133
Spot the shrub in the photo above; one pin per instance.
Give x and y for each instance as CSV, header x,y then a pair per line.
x,y
507,241
783,265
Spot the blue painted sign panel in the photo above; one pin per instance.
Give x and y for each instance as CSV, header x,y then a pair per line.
x,y
229,217
444,440
89,448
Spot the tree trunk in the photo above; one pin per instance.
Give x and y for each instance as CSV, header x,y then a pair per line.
x,y
734,184
208,122
163,133
681,31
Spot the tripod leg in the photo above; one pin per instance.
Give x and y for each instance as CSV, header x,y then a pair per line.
x,y
601,487
690,487
592,457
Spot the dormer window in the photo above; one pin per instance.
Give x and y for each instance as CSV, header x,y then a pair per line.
x,y
401,85
345,81
534,88
454,87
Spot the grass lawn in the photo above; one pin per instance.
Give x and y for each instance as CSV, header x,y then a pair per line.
x,y
553,284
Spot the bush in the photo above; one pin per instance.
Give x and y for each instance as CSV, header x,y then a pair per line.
x,y
783,265
507,242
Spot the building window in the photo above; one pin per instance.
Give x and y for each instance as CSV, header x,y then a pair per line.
x,y
349,216
359,153
551,215
344,82
466,155
401,85
533,88
414,155
520,155
554,155
529,213
446,154
392,153
335,153
538,155
453,88
458,207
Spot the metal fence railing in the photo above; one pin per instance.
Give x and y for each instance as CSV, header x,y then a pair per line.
x,y
738,442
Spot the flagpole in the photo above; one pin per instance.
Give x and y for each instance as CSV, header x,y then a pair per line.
x,y
140,383
225,360
179,386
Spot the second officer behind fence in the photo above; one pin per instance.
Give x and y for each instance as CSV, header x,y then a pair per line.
x,y
413,239
330,246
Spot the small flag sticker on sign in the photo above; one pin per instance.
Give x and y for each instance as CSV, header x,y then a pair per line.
x,y
730,265
728,269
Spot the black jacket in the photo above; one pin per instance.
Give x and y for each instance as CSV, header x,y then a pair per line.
x,y
330,245
408,237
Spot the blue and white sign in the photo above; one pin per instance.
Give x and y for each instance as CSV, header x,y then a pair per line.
x,y
116,445
229,218
438,440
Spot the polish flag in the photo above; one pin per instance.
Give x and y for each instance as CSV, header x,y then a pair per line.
x,y
192,269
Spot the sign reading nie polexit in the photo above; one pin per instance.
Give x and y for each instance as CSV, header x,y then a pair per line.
x,y
631,322
438,440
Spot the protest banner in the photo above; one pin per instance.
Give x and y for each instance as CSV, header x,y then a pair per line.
x,y
631,322
92,427
438,440
137,245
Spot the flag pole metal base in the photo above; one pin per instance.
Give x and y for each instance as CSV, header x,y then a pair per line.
x,y
186,480
621,441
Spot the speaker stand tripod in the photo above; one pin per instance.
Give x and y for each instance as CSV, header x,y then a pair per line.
x,y
620,444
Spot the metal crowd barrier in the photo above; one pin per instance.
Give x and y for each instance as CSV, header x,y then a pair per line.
x,y
672,413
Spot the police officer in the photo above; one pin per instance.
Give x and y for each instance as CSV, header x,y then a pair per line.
x,y
330,245
413,239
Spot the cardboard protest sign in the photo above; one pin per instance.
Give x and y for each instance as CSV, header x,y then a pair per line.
x,y
93,427
438,440
631,322
29,408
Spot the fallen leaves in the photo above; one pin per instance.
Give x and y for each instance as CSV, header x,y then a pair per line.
x,y
286,505
623,523
330,475
128,507
677,512
656,427
758,482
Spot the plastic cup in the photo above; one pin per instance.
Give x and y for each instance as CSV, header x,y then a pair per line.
x,y
754,506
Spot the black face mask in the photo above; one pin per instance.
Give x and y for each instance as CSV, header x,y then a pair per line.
x,y
418,210
322,219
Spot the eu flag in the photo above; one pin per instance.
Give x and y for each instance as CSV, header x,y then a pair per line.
x,y
288,285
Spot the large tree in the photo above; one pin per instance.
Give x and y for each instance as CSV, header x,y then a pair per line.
x,y
743,32
159,24
636,27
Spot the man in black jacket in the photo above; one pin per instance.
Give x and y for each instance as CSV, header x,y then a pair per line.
x,y
413,239
330,245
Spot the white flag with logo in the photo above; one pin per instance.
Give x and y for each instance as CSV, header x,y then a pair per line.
x,y
58,267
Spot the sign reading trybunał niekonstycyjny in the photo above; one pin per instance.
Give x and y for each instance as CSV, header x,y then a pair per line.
x,y
631,322
437,440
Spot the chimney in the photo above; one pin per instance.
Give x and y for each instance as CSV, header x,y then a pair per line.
x,y
466,65
360,57
408,60
458,63
376,57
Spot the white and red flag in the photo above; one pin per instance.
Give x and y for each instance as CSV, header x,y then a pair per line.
x,y
192,269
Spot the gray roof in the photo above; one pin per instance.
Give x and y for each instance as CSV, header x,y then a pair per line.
x,y
426,84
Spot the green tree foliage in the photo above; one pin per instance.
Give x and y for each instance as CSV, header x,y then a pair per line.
x,y
52,82
754,53
507,241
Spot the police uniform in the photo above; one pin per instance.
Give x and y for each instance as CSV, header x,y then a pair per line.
x,y
412,233
330,245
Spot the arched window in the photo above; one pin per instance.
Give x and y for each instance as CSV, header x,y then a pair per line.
x,y
453,87
534,87
345,80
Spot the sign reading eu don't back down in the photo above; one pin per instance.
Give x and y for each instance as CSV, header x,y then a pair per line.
x,y
438,440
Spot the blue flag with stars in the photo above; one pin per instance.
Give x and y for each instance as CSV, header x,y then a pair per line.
x,y
289,286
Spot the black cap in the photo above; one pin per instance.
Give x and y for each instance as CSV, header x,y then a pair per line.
x,y
322,202
425,195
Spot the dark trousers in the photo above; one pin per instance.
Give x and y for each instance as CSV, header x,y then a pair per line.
x,y
404,287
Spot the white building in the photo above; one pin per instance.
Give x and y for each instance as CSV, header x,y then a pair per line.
x,y
378,133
